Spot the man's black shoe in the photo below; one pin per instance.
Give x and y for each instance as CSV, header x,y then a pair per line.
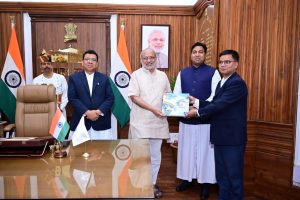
x,y
204,194
184,186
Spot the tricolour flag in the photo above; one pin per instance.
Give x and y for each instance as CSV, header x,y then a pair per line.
x,y
59,126
59,187
12,77
119,78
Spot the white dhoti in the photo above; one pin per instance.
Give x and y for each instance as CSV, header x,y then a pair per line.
x,y
155,154
195,153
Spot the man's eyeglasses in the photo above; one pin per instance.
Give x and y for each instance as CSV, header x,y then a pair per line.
x,y
226,62
148,58
90,60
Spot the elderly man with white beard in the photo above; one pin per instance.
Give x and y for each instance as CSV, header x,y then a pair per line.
x,y
146,89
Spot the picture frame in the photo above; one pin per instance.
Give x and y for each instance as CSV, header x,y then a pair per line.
x,y
156,37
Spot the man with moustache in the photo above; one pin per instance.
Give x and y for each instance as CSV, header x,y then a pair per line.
x,y
48,77
146,89
195,152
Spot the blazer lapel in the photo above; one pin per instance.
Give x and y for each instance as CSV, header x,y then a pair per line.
x,y
96,81
84,82
218,87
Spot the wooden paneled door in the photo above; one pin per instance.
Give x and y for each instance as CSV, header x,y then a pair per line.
x,y
93,32
48,31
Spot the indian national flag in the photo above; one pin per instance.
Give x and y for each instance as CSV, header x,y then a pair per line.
x,y
12,77
59,126
119,77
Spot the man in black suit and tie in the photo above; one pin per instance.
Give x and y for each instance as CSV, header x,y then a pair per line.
x,y
90,94
228,133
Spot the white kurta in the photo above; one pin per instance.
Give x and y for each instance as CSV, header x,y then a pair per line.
x,y
195,152
144,124
60,84
150,87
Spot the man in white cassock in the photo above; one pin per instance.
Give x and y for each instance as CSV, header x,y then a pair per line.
x,y
195,152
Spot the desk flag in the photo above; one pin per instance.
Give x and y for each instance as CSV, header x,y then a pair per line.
x,y
59,126
119,79
12,77
80,134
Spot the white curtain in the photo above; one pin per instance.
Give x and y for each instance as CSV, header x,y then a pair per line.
x,y
27,48
113,51
296,174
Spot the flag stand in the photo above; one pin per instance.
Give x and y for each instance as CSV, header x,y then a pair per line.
x,y
60,153
85,155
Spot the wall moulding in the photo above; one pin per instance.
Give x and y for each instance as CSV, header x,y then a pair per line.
x,y
200,7
107,8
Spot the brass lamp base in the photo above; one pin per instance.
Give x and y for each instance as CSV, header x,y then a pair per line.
x,y
60,154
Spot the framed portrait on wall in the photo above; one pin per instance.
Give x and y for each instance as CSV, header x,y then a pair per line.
x,y
156,37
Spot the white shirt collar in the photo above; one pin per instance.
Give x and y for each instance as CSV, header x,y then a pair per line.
x,y
90,79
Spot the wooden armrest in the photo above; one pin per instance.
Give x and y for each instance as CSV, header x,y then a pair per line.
x,y
9,127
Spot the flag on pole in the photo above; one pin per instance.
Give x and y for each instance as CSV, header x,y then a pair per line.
x,y
12,77
119,78
80,134
59,126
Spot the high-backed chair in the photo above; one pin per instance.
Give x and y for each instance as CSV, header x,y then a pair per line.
x,y
36,106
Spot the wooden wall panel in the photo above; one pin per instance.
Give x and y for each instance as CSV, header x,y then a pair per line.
x,y
205,31
48,33
265,34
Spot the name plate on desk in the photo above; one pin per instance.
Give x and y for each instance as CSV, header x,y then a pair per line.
x,y
25,146
175,105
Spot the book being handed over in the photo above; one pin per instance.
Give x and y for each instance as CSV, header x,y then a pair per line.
x,y
175,105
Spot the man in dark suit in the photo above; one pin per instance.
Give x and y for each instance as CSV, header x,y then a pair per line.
x,y
90,94
228,133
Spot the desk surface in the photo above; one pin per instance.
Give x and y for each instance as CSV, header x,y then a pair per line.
x,y
115,169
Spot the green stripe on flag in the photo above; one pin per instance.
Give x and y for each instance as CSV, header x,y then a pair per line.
x,y
120,109
7,102
63,132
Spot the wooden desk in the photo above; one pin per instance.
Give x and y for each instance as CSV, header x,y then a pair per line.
x,y
115,169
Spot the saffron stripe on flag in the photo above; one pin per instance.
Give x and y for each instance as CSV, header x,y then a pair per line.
x,y
55,121
14,51
123,50
12,77
119,79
